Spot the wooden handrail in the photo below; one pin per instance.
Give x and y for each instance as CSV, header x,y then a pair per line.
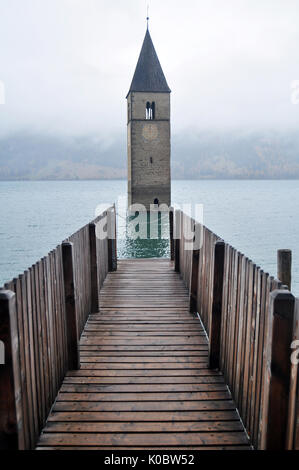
x,y
240,307
42,315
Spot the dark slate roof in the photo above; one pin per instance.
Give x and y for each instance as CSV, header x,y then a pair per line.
x,y
149,75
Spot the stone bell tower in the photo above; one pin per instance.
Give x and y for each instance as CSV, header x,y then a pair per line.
x,y
149,131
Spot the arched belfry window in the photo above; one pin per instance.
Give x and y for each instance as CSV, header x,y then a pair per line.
x,y
150,111
153,110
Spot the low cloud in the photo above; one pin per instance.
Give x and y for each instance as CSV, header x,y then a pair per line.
x,y
67,64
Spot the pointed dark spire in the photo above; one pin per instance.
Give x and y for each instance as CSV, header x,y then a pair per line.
x,y
149,75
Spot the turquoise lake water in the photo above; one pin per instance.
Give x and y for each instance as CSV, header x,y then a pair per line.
x,y
256,217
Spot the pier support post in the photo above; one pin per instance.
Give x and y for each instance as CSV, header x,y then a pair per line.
x,y
194,281
10,376
115,239
70,306
194,275
171,233
177,239
284,267
111,232
215,326
93,268
277,390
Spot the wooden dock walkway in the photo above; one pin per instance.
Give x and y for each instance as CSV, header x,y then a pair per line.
x,y
101,353
144,381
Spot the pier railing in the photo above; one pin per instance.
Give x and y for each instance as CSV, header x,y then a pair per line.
x,y
42,315
251,320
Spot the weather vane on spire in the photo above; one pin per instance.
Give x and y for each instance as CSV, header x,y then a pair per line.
x,y
147,17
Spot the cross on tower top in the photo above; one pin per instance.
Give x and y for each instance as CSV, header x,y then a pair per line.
x,y
147,16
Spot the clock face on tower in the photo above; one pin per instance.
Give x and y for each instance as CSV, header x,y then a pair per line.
x,y
150,131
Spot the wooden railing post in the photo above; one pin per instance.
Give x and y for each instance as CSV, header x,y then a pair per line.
x,y
111,232
70,306
93,268
284,267
194,279
294,421
276,394
171,233
215,325
115,239
10,376
177,236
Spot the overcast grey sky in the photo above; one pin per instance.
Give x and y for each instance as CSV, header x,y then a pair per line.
x,y
67,64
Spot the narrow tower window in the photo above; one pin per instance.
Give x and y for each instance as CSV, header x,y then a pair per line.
x,y
150,111
153,110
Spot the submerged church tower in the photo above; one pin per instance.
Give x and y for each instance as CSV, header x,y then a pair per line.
x,y
149,131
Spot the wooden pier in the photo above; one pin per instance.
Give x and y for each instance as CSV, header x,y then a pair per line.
x,y
144,380
147,354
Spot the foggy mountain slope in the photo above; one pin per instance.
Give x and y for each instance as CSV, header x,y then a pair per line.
x,y
253,155
44,157
197,155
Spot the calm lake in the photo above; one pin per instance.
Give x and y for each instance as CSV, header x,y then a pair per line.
x,y
256,217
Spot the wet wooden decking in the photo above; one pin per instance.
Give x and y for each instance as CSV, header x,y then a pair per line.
x,y
144,381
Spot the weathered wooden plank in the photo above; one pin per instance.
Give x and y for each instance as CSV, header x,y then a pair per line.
x,y
144,380
93,350
115,440
20,337
144,341
141,388
170,396
143,416
88,357
196,405
28,384
144,348
87,372
143,427
143,366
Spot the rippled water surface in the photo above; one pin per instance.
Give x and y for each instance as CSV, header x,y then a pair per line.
x,y
257,217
